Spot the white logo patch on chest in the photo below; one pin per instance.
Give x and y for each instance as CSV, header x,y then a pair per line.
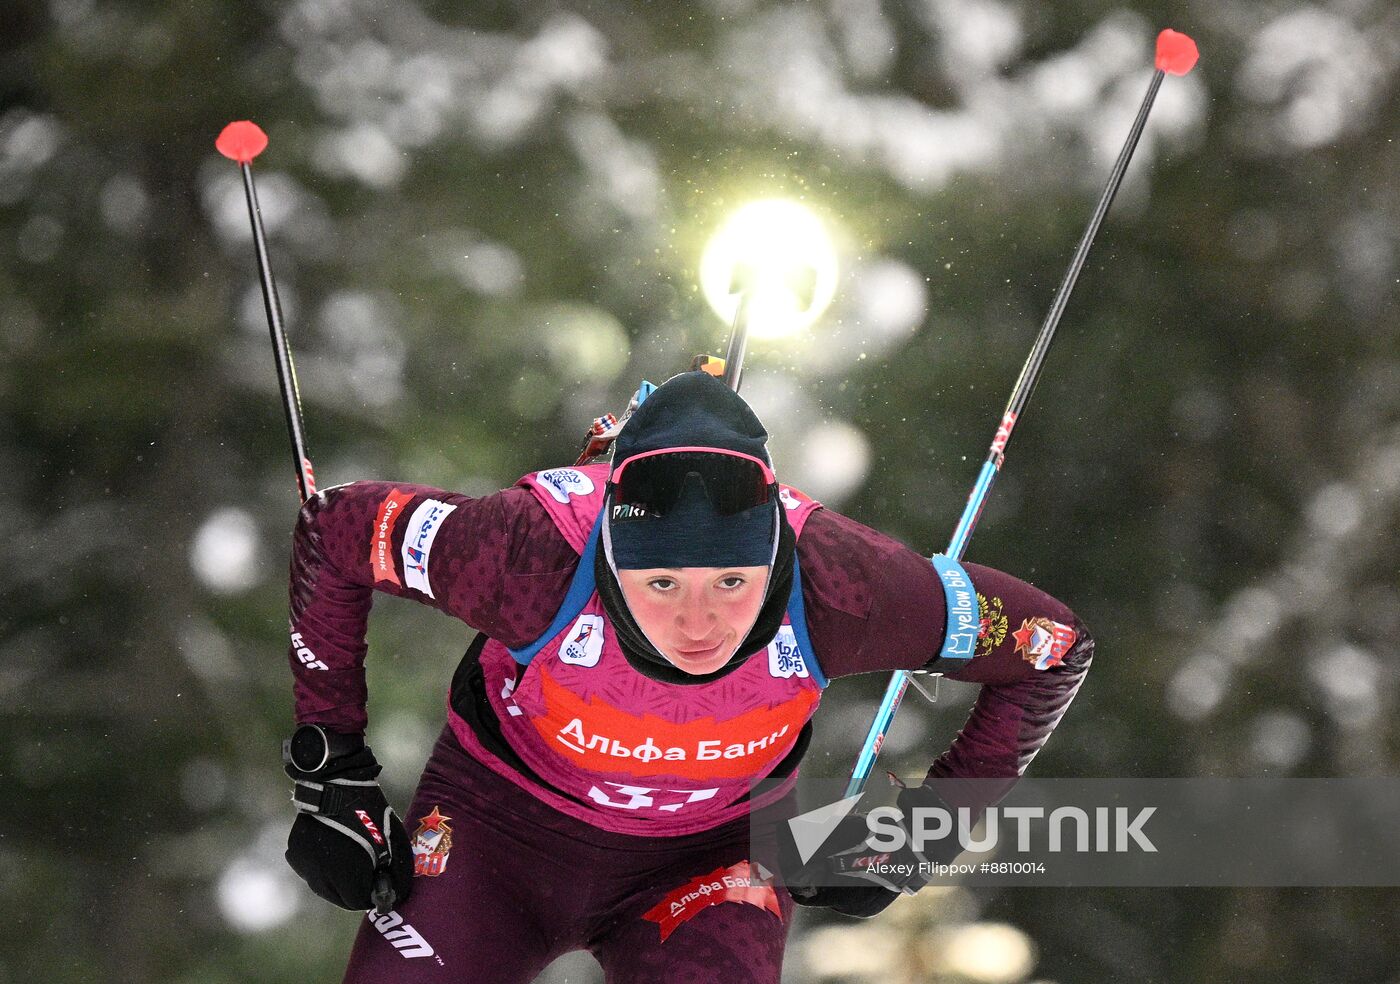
x,y
583,646
564,482
784,658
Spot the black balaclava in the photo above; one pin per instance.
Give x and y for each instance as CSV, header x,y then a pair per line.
x,y
695,410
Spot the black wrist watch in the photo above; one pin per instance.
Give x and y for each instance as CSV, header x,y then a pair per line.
x,y
312,746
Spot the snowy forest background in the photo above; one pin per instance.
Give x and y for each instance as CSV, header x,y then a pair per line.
x,y
485,220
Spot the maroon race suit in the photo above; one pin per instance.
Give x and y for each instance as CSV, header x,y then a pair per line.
x,y
506,882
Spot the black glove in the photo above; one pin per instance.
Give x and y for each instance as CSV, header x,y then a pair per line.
x,y
347,843
876,877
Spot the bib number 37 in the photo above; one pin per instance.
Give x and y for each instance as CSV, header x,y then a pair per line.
x,y
647,798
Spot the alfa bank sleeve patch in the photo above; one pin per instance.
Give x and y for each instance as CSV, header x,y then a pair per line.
x,y
381,550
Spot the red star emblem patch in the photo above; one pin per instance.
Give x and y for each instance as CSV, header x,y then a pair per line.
x,y
1023,636
434,820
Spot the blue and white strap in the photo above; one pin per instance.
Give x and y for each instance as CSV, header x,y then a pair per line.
x,y
581,589
964,617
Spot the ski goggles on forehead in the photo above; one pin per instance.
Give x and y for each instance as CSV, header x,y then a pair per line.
x,y
655,480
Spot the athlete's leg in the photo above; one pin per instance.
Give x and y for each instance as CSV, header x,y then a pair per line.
x,y
737,940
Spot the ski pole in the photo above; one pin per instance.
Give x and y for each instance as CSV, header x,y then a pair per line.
x,y
1176,54
747,279
241,142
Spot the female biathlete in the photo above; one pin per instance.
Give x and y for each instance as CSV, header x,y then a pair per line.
x,y
655,636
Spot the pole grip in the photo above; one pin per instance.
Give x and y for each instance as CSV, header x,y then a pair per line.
x,y
382,895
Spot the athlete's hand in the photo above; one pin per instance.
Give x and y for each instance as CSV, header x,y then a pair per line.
x,y
346,839
850,876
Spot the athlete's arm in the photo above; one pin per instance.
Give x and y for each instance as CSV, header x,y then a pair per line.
x,y
874,604
494,562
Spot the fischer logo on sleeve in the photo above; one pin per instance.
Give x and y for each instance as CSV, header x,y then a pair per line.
x,y
423,528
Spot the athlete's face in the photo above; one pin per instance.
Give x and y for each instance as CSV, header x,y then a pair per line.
x,y
696,616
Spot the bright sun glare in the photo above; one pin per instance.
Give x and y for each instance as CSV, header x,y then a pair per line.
x,y
778,251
